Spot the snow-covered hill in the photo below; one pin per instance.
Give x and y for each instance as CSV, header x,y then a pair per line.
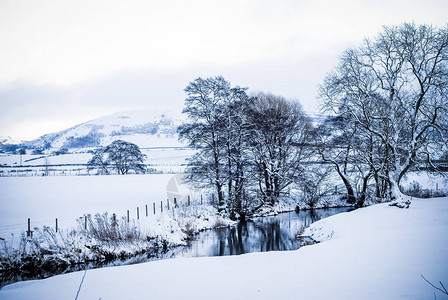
x,y
145,128
6,140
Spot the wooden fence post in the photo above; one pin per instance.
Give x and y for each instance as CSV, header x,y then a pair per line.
x,y
201,199
56,225
138,214
161,206
168,203
146,206
188,200
175,203
29,233
154,207
128,215
85,222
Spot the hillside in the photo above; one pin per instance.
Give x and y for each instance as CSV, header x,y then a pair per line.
x,y
147,129
68,151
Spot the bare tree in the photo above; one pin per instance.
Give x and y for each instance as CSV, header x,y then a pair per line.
x,y
395,87
125,156
337,146
121,155
249,149
210,129
98,161
278,132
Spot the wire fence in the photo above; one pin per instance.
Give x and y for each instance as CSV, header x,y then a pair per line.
x,y
137,213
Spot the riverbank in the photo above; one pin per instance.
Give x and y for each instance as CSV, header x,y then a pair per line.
x,y
378,252
102,239
70,226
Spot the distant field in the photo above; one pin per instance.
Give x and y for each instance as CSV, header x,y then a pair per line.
x,y
68,197
164,160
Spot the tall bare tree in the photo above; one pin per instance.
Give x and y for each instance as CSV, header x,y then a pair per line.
x,y
278,132
395,87
211,129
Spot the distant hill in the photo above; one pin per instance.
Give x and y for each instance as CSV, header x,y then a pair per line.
x,y
147,129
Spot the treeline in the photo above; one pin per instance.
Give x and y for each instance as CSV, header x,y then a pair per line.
x,y
389,101
387,108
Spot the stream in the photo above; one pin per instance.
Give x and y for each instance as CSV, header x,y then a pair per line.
x,y
272,233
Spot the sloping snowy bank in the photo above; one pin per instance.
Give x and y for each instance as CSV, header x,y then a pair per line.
x,y
378,252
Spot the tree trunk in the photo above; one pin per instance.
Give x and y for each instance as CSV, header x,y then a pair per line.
x,y
394,188
348,186
362,198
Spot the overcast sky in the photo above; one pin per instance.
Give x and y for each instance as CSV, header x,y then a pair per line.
x,y
66,62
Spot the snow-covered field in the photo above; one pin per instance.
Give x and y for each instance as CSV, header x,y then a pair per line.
x,y
378,252
162,159
43,199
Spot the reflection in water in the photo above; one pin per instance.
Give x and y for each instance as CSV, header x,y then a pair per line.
x,y
276,233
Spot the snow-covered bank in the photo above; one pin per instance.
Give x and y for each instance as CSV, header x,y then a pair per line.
x,y
378,252
146,219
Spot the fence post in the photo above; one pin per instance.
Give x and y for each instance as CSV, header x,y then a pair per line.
x,y
437,186
168,203
175,203
56,225
85,222
29,233
146,206
154,207
161,206
138,214
188,200
128,215
201,199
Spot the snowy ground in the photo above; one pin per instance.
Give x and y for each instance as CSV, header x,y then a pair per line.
x,y
378,252
43,199
160,159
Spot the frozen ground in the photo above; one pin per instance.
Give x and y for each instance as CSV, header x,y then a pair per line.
x,y
378,252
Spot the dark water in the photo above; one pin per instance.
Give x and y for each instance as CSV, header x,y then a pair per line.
x,y
275,233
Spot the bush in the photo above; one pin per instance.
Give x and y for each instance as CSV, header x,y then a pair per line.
x,y
111,230
189,230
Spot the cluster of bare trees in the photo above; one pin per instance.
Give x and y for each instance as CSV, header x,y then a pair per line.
x,y
389,100
249,148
